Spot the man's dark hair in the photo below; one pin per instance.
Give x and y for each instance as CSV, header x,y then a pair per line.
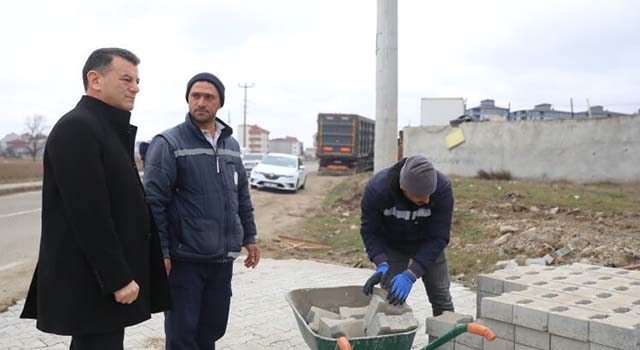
x,y
101,59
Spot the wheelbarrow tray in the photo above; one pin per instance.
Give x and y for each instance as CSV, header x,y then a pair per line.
x,y
331,299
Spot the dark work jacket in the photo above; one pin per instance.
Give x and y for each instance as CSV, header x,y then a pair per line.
x,y
199,195
391,221
97,232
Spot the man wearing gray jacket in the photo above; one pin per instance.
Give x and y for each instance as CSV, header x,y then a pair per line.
x,y
199,197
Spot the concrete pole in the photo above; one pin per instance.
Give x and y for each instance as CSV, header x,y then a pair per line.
x,y
386,146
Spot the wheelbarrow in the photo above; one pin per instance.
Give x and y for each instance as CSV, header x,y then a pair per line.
x,y
301,301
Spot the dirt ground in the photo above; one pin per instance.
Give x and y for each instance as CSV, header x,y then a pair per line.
x,y
280,212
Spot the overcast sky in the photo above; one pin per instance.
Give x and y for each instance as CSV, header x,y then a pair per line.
x,y
312,56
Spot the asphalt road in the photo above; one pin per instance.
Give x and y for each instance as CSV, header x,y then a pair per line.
x,y
19,229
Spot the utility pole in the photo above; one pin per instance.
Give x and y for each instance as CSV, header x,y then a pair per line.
x,y
571,101
386,131
244,120
588,109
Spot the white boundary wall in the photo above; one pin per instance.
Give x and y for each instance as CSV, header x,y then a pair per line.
x,y
583,150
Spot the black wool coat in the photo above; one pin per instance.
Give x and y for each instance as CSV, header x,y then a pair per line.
x,y
97,232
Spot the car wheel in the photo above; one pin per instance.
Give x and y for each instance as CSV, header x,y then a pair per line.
x,y
303,183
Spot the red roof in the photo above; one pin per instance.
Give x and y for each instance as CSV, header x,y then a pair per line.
x,y
255,129
17,143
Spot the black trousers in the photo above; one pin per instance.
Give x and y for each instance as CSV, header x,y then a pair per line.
x,y
103,341
201,296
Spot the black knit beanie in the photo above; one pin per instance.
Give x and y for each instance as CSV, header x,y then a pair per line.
x,y
210,78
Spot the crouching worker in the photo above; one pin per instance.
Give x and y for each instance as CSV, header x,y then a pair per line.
x,y
406,225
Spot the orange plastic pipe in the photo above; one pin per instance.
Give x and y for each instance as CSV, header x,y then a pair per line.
x,y
481,330
343,343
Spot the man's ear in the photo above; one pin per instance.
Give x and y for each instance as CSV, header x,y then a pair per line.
x,y
93,80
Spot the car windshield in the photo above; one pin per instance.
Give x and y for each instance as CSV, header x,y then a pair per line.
x,y
252,157
280,161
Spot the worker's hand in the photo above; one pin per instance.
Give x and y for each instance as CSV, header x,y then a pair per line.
x,y
128,294
253,255
167,265
400,287
380,276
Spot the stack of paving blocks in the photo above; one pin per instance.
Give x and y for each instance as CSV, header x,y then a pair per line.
x,y
535,307
378,318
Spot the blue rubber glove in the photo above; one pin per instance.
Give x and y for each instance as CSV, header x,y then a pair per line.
x,y
400,287
381,275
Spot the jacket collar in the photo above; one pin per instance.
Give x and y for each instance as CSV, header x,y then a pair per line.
x,y
226,131
116,117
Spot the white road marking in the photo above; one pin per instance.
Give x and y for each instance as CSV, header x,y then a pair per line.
x,y
11,265
24,212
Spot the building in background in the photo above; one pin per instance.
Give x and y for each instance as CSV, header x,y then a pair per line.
x,y
288,145
488,111
441,110
546,111
257,138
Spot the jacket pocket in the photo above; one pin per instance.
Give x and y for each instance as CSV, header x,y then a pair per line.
x,y
202,236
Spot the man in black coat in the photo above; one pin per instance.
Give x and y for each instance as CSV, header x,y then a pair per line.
x,y
100,266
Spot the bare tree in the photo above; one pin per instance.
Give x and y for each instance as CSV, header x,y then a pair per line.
x,y
35,137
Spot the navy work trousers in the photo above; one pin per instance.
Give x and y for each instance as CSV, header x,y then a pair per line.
x,y
435,279
200,295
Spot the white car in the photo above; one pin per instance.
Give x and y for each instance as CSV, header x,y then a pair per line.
x,y
279,171
250,160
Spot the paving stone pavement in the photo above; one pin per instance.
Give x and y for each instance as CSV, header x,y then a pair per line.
x,y
260,317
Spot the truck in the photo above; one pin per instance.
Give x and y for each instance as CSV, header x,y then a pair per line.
x,y
345,143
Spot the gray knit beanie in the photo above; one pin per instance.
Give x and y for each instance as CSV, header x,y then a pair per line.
x,y
418,176
210,78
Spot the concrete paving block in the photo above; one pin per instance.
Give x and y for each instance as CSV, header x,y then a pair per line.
x,y
351,327
612,271
524,347
376,305
562,343
389,324
316,313
469,339
352,312
617,331
594,346
397,309
632,289
500,308
549,295
502,330
514,283
491,283
533,338
459,346
572,322
479,296
439,325
498,344
533,313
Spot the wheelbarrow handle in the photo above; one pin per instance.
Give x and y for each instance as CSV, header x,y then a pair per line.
x,y
459,329
481,330
343,343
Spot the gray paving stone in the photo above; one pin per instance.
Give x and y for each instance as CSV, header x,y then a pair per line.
x,y
258,309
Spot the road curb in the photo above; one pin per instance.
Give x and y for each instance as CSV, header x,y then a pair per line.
x,y
14,190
